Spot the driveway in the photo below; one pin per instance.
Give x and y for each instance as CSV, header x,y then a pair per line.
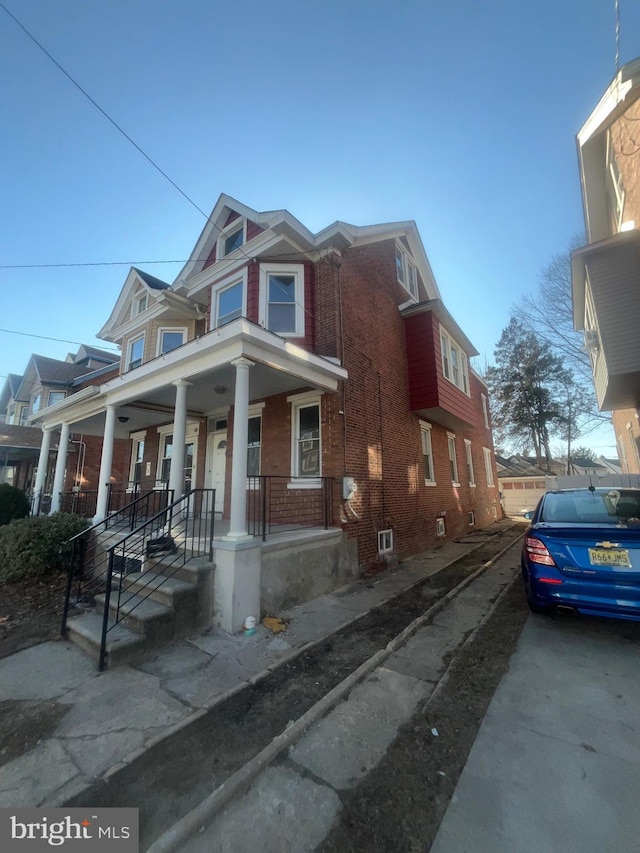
x,y
556,764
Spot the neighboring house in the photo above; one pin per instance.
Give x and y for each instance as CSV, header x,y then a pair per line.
x,y
522,483
46,382
330,360
605,272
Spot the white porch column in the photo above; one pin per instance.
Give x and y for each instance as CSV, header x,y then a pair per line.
x,y
43,464
238,516
176,473
105,464
61,464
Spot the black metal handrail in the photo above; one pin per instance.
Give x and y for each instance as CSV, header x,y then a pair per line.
x,y
181,531
278,503
86,561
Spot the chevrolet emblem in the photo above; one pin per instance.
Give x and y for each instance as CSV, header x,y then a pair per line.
x,y
607,544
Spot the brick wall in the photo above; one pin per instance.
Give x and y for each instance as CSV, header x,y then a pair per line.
x,y
627,432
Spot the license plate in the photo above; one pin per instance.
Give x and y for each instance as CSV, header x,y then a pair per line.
x,y
609,557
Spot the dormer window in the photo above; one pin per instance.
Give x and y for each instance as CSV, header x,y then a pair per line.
x,y
233,236
228,300
406,272
135,353
140,304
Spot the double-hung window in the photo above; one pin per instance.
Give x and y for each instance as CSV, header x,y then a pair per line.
x,y
140,304
454,362
406,272
469,458
282,298
228,300
254,443
485,410
453,462
37,400
55,397
135,352
306,450
488,466
137,459
170,339
427,454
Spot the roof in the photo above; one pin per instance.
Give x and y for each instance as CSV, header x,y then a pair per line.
x,y
52,371
583,462
96,353
521,466
9,390
151,281
12,435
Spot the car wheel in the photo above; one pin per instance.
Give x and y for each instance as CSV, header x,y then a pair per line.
x,y
539,608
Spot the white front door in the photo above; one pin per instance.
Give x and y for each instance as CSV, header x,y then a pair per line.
x,y
216,465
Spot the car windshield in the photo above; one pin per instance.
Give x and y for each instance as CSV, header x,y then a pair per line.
x,y
614,506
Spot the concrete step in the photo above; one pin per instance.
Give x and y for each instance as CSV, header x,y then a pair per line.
x,y
123,644
164,589
146,617
191,571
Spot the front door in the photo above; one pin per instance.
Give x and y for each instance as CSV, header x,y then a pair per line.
x,y
216,465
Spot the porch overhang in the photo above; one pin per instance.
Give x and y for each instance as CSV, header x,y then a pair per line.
x,y
146,395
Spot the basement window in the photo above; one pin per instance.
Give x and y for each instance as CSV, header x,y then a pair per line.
x,y
472,518
440,527
385,541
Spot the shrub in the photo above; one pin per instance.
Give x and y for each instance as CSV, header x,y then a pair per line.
x,y
13,503
32,548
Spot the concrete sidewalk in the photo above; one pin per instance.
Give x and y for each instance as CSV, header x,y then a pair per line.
x,y
556,764
91,725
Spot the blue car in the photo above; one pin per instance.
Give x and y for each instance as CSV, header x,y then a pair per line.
x,y
582,552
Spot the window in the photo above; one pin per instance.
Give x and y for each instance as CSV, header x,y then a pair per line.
x,y
136,350
485,410
55,397
406,272
165,458
36,403
282,298
306,451
169,339
24,414
615,187
232,238
454,362
137,458
467,451
253,446
471,518
385,541
229,303
453,462
11,415
140,304
440,527
427,454
488,466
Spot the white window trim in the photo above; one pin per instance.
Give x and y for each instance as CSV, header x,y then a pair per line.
x,y
134,438
426,428
407,262
470,469
298,402
191,437
388,532
451,438
441,527
488,467
286,269
447,341
237,224
485,409
219,286
49,393
130,344
615,178
141,296
163,329
255,411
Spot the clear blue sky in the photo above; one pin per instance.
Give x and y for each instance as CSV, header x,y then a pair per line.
x,y
458,114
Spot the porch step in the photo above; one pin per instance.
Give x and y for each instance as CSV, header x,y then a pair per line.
x,y
86,631
144,616
163,589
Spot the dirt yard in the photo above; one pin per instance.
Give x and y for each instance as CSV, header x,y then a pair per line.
x,y
30,613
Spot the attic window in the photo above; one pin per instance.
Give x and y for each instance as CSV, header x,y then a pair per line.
x,y
231,238
454,362
406,272
141,304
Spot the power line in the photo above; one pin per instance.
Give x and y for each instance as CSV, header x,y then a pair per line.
x,y
48,338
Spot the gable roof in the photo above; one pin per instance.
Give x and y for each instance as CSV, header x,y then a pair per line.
x,y
88,352
9,390
150,280
135,278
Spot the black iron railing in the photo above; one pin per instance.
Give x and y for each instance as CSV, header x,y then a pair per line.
x,y
84,502
88,548
276,504
178,532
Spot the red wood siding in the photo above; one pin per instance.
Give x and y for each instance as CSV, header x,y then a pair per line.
x,y
253,230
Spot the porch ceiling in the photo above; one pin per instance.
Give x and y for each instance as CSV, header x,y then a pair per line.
x,y
146,396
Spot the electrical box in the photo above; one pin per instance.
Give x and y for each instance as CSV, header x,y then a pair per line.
x,y
349,488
